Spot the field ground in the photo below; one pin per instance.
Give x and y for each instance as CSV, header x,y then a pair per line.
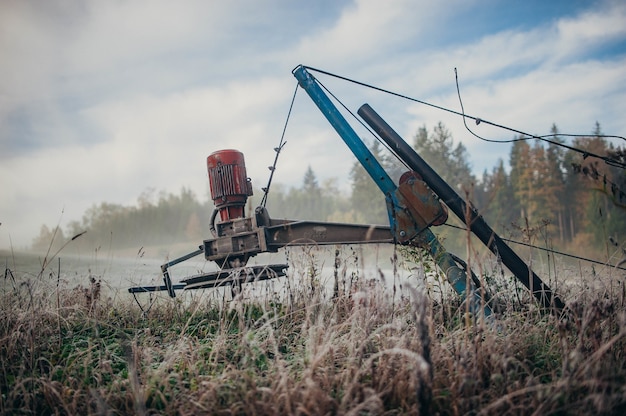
x,y
72,342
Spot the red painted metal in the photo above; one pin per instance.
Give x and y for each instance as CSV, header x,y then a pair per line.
x,y
229,183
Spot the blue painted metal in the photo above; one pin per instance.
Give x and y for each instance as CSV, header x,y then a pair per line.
x,y
349,136
425,238
454,274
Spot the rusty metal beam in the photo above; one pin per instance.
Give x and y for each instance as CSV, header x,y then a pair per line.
x,y
298,233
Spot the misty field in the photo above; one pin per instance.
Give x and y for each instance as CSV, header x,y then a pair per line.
x,y
330,338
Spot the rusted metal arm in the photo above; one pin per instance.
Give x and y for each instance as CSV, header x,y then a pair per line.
x,y
298,233
246,237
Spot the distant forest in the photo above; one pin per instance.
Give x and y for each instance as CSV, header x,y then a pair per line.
x,y
571,199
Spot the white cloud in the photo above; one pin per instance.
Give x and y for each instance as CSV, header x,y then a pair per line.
x,y
369,34
112,35
591,29
527,80
119,97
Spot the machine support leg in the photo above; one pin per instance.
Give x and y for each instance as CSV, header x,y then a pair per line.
x,y
166,274
459,280
465,212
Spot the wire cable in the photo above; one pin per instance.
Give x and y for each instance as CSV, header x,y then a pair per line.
x,y
560,253
462,114
361,122
585,153
479,120
278,149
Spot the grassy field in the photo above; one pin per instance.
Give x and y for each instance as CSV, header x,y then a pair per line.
x,y
373,346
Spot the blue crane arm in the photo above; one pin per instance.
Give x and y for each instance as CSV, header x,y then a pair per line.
x,y
352,140
349,136
398,206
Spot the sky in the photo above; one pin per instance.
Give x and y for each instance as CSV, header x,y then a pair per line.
x,y
103,101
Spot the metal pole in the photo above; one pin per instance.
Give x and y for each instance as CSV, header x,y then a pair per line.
x,y
348,135
464,211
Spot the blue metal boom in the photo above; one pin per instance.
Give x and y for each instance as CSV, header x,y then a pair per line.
x,y
349,136
405,219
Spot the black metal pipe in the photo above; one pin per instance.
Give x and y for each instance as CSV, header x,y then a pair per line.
x,y
461,209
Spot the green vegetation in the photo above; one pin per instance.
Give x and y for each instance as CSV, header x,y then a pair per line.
x,y
372,348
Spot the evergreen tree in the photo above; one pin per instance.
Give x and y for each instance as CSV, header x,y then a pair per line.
x,y
538,183
538,204
311,196
367,199
450,161
522,177
575,195
555,182
604,218
482,198
498,205
309,202
616,194
583,174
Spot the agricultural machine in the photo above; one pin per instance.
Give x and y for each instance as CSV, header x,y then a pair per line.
x,y
420,200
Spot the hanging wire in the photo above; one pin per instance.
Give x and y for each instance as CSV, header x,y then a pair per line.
x,y
478,120
278,149
361,122
588,171
585,153
560,253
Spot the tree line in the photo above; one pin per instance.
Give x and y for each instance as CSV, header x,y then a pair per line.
x,y
574,199
579,198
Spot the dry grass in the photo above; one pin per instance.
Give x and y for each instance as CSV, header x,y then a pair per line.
x,y
372,349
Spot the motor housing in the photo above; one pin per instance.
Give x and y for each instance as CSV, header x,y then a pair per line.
x,y
229,184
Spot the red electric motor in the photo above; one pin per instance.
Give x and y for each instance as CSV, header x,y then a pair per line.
x,y
230,186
